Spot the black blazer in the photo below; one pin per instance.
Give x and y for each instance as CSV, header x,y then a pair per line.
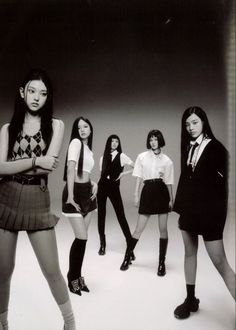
x,y
201,199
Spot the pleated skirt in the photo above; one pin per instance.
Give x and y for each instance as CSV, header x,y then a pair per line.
x,y
25,207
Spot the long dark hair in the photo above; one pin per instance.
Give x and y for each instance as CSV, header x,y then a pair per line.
x,y
185,137
107,151
46,112
75,135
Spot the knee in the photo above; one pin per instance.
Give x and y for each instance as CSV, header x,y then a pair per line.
x,y
53,276
190,253
6,271
219,262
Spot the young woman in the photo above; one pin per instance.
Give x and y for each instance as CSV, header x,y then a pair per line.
x,y
201,202
29,149
156,171
111,165
79,197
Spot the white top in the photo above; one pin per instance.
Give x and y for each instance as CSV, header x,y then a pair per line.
x,y
124,159
150,166
74,152
202,143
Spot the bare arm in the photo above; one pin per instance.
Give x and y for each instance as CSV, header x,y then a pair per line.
x,y
46,163
130,166
170,190
136,191
70,184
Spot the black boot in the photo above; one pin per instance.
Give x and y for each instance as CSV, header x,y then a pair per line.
x,y
102,249
76,257
129,254
163,242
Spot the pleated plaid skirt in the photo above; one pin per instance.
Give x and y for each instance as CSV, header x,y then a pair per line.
x,y
25,207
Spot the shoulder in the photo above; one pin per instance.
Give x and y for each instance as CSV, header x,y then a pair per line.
x,y
75,143
57,124
5,127
167,159
216,146
142,155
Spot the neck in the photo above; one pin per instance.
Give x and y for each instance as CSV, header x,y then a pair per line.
x,y
30,118
156,151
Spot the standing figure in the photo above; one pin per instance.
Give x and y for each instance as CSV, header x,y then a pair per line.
x,y
79,197
111,165
201,202
156,171
29,150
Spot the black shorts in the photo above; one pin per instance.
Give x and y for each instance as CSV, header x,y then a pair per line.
x,y
82,196
154,198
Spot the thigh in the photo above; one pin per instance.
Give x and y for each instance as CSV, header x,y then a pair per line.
x,y
79,226
190,242
215,250
45,248
8,242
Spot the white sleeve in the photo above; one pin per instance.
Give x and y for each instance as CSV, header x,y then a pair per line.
x,y
125,160
74,150
138,167
169,173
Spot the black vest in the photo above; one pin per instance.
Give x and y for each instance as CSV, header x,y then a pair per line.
x,y
113,169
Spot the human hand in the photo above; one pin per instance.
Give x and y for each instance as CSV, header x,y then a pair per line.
x,y
47,162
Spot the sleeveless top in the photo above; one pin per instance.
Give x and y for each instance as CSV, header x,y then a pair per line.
x,y
27,146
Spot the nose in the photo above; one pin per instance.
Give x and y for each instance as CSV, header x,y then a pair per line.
x,y
36,96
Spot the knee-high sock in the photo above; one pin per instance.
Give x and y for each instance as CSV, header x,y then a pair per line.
x,y
68,315
131,244
163,242
76,258
3,321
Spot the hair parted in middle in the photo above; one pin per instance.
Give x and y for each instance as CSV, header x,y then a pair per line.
x,y
158,135
107,150
75,135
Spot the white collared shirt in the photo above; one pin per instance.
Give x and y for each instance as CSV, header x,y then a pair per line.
x,y
150,166
202,143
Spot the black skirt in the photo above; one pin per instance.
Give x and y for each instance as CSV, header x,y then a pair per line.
x,y
154,198
82,196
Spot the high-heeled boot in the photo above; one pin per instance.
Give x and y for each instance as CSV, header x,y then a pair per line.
x,y
75,282
163,242
129,254
102,249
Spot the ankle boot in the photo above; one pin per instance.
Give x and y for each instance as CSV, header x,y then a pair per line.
x,y
163,242
74,286
129,254
82,285
127,260
102,250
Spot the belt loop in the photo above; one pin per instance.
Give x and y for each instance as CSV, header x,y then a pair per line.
x,y
43,185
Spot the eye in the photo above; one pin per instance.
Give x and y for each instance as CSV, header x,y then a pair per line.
x,y
44,94
30,91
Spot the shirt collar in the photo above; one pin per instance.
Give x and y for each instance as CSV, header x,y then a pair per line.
x,y
198,140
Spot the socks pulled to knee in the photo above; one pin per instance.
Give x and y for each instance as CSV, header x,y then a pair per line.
x,y
76,257
190,291
68,316
163,242
4,321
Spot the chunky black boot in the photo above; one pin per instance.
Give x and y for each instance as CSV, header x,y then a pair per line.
x,y
102,250
189,305
163,242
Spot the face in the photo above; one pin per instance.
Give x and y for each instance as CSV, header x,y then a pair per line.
x,y
114,144
84,129
194,126
34,94
153,141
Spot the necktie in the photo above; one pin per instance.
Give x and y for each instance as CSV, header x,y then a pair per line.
x,y
194,146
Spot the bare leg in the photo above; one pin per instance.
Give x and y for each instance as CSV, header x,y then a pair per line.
x,y
141,224
8,241
45,248
190,257
162,223
216,252
80,226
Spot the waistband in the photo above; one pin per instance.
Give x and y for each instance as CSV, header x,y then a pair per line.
x,y
27,179
152,181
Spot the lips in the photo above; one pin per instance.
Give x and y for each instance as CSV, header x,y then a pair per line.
x,y
35,104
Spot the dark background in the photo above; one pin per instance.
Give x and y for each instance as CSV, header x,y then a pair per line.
x,y
129,66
